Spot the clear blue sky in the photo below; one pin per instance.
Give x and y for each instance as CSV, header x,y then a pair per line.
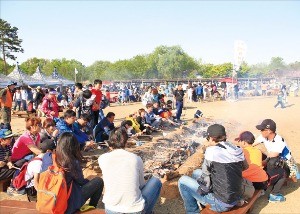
x,y
111,30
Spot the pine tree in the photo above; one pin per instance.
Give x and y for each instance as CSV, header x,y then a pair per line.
x,y
9,42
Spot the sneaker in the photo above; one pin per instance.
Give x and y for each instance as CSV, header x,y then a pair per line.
x,y
13,192
276,198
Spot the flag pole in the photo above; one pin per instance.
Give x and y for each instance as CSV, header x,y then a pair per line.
x,y
75,71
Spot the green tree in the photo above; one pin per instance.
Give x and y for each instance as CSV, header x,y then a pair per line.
x,y
244,70
9,42
98,70
173,62
30,65
277,67
259,70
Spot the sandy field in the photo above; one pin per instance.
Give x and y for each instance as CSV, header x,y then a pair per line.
x,y
236,116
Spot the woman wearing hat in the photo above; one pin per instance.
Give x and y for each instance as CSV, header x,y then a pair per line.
x,y
49,106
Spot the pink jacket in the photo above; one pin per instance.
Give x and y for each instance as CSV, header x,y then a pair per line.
x,y
49,105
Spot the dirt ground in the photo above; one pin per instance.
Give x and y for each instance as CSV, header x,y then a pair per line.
x,y
236,116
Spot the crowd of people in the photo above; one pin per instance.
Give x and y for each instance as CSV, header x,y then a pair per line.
x,y
57,143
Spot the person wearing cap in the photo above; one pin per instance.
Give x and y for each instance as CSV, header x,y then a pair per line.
x,y
49,105
6,98
219,182
278,154
255,173
34,168
6,166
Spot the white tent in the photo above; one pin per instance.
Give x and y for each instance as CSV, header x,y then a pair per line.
x,y
4,80
64,81
22,78
39,75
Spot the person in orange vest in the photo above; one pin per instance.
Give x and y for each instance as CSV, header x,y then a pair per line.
x,y
6,97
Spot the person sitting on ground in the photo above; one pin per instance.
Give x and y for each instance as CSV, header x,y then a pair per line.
x,y
49,106
82,123
35,167
127,125
167,115
152,119
67,125
68,157
255,173
6,166
132,194
280,163
103,128
144,127
157,110
219,183
49,130
27,145
135,124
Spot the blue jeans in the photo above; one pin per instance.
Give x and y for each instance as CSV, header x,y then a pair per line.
x,y
188,190
101,115
279,103
150,193
179,107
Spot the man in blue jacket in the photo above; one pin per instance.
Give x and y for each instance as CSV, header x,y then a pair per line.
x,y
67,125
102,130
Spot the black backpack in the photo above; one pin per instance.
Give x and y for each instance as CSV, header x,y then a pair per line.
x,y
84,109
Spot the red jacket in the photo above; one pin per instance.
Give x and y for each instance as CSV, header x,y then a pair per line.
x,y
49,105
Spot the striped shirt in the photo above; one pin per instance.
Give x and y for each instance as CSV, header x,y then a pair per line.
x,y
5,152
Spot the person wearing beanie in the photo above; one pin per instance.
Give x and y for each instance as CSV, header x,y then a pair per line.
x,y
219,182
